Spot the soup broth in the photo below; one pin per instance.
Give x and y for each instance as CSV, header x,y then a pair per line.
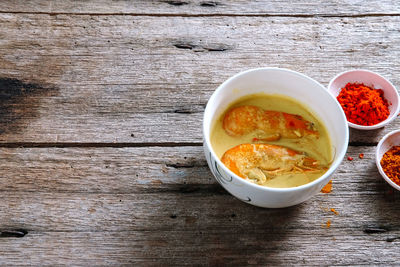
x,y
316,147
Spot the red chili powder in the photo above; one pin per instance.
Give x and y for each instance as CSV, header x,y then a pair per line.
x,y
363,105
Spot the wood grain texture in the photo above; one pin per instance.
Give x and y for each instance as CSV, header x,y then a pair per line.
x,y
101,105
156,208
206,248
148,79
204,7
131,170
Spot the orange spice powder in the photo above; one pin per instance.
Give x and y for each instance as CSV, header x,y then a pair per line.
x,y
328,224
327,188
363,105
334,211
390,163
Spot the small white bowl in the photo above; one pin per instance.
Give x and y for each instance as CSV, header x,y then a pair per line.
x,y
283,82
387,142
373,80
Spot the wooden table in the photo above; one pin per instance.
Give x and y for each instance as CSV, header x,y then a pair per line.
x,y
101,106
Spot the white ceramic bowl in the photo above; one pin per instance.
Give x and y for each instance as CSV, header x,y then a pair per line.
x,y
284,82
373,80
387,142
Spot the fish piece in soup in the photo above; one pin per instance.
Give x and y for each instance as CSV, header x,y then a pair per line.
x,y
271,125
262,162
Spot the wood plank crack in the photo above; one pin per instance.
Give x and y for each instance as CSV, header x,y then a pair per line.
x,y
95,145
213,47
176,3
13,233
375,230
209,4
391,239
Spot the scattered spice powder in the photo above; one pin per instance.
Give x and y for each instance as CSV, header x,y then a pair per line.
x,y
361,156
390,163
334,211
327,188
328,224
349,158
363,105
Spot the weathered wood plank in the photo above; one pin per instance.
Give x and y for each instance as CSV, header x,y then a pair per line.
x,y
141,170
102,79
210,248
73,190
72,220
105,170
195,7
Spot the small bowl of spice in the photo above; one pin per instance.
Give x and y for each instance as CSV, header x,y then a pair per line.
x,y
368,100
388,158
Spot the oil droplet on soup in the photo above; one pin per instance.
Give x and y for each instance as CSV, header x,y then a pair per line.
x,y
311,143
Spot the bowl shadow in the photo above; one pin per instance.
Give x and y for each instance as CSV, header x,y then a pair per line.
x,y
221,229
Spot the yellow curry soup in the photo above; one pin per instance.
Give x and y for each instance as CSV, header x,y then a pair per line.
x,y
272,140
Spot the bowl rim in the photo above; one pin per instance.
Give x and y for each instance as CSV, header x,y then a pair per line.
x,y
382,123
306,186
378,160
